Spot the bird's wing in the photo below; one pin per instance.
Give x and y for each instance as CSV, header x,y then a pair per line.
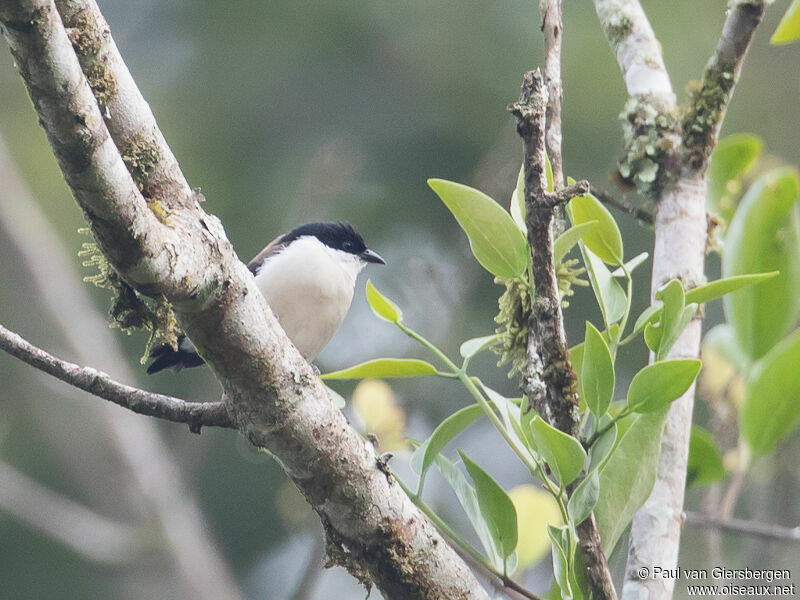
x,y
271,249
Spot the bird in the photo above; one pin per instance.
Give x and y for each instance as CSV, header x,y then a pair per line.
x,y
307,277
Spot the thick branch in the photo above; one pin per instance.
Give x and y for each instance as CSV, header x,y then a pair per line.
x,y
273,396
548,379
195,414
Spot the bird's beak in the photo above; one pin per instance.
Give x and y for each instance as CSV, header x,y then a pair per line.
x,y
372,257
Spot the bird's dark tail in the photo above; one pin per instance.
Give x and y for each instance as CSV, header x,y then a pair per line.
x,y
164,357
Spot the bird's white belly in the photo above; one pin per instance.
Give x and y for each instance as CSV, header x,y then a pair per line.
x,y
310,295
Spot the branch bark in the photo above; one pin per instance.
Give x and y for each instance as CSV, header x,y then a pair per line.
x,y
552,27
678,187
195,414
549,380
273,396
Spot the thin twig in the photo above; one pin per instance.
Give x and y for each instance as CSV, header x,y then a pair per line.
x,y
552,28
195,414
743,526
622,204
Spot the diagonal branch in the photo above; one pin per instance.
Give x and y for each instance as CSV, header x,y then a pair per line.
x,y
549,379
709,102
195,414
272,395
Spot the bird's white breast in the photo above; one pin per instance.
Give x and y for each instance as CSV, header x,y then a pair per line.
x,y
309,287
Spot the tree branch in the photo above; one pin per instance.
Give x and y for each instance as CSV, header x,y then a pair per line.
x,y
672,172
97,383
273,396
549,380
709,102
552,28
742,526
622,204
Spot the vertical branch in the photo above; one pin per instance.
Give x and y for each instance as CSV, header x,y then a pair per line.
x,y
552,28
548,378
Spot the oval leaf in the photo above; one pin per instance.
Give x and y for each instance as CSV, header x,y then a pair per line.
x,y
610,295
659,384
771,406
733,157
705,461
562,452
627,477
765,236
496,507
496,241
442,435
596,380
382,306
567,240
385,368
604,239
584,498
476,345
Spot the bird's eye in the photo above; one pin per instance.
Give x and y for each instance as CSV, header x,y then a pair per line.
x,y
347,246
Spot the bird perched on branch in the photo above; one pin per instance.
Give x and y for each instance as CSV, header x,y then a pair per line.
x,y
307,277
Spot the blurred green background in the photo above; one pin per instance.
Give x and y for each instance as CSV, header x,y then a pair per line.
x,y
286,112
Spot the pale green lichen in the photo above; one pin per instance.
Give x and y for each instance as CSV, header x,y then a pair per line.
x,y
648,130
617,29
130,310
141,156
102,82
704,111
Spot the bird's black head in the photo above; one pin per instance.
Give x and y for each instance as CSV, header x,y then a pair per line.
x,y
339,236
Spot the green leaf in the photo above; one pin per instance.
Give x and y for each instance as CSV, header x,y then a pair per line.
x,y
385,368
704,293
601,449
771,407
604,239
627,478
631,264
721,340
337,399
609,294
382,306
659,384
510,413
561,570
765,236
584,498
567,240
496,507
424,455
476,345
468,499
596,380
675,315
495,240
517,207
562,452
733,157
705,461
789,28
